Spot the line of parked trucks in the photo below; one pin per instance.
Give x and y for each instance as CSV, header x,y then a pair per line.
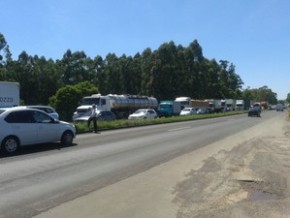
x,y
124,105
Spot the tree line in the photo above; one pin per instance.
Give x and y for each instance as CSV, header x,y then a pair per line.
x,y
165,73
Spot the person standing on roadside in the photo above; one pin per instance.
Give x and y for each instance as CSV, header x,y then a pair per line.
x,y
93,117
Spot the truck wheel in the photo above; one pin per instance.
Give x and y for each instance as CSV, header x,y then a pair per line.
x,y
10,145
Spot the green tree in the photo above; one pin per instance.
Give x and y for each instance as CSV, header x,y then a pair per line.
x,y
5,57
66,101
112,76
260,94
288,98
76,67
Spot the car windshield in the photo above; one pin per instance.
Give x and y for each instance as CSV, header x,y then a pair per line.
x,y
140,111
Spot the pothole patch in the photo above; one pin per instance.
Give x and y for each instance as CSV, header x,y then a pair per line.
x,y
257,190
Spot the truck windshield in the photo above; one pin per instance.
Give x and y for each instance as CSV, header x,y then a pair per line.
x,y
164,106
90,101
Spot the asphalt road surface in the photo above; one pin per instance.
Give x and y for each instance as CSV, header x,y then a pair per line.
x,y
47,181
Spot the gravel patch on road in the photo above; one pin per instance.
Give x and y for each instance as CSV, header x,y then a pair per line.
x,y
251,180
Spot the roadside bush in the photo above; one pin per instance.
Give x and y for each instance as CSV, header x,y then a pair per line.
x,y
65,101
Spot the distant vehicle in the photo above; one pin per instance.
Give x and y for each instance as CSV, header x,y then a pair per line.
x,y
215,105
280,107
203,111
254,111
50,110
143,114
243,104
169,108
184,101
228,104
9,94
197,103
21,126
188,111
103,115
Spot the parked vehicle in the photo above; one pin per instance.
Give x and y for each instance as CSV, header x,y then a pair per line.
x,y
184,101
9,94
203,111
188,111
215,105
103,116
228,104
197,103
120,105
49,110
243,104
143,114
169,108
21,126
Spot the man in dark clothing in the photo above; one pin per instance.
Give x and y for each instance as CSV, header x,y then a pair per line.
x,y
93,117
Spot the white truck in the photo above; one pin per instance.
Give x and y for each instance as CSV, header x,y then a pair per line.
x,y
184,101
120,105
228,104
215,105
9,94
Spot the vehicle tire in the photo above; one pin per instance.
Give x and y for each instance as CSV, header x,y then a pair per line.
x,y
67,138
10,145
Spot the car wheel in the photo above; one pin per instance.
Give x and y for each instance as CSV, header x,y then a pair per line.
x,y
67,138
10,145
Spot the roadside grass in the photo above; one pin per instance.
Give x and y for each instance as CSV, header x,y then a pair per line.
x,y
117,124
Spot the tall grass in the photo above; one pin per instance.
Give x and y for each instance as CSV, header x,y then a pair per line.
x,y
116,124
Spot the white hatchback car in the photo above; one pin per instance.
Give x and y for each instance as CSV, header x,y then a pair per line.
x,y
188,111
26,126
143,114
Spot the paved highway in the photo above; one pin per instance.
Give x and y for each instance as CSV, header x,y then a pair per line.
x,y
39,179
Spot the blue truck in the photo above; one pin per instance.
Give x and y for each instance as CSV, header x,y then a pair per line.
x,y
169,108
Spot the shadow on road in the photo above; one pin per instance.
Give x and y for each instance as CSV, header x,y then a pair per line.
x,y
36,149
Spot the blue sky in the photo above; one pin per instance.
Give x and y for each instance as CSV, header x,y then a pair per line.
x,y
254,35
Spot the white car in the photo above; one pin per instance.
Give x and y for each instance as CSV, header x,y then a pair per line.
x,y
143,114
50,110
21,126
188,111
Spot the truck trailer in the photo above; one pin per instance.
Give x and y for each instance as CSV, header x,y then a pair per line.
x,y
9,94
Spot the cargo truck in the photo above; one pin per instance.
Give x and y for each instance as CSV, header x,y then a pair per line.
x,y
9,94
215,105
184,101
169,108
228,104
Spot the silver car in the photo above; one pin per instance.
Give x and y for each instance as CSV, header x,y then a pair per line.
x,y
143,114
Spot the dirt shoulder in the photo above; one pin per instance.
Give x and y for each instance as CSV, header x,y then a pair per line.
x,y
244,175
